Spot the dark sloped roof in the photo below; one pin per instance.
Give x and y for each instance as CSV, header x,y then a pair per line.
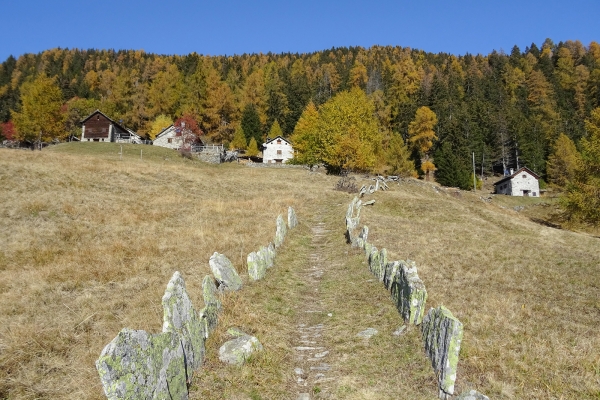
x,y
108,118
507,178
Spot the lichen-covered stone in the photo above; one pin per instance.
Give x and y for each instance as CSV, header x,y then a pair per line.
x,y
212,306
350,212
408,293
280,231
210,293
257,266
368,249
442,335
382,264
180,317
138,365
271,251
238,350
374,263
391,269
292,218
224,273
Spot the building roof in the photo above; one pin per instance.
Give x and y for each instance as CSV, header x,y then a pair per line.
x,y
108,118
164,131
269,140
524,169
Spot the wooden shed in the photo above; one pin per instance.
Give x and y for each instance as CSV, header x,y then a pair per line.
x,y
97,127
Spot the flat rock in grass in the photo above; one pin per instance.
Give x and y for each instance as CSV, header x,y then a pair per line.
x,y
257,266
224,273
280,232
238,350
180,317
138,365
442,335
369,203
472,395
367,333
292,218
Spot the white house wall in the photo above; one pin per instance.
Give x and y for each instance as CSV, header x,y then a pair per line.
x,y
515,186
270,152
163,140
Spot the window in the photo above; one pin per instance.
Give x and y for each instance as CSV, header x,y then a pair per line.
x,y
534,194
278,152
278,141
524,176
170,140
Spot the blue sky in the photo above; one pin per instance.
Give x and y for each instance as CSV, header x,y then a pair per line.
x,y
235,27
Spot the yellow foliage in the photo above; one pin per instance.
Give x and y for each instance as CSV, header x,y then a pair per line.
x,y
420,131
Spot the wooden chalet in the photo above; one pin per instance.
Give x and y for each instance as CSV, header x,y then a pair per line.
x,y
97,127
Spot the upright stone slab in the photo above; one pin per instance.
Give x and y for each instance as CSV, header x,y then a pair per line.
x,y
368,250
374,262
138,365
271,252
408,293
442,335
266,257
382,264
280,231
180,317
212,305
257,266
292,219
391,269
350,211
224,273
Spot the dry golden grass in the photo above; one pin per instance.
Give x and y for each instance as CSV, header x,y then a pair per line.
x,y
527,294
89,242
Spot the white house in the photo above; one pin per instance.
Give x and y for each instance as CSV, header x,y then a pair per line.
x,y
174,137
277,150
524,182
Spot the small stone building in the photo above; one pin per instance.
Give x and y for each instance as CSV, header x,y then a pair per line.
x,y
524,182
174,137
277,150
97,127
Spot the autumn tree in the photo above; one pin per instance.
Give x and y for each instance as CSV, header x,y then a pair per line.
x,y
77,109
39,118
349,132
305,138
160,123
252,149
7,131
562,162
397,157
582,199
275,130
421,136
239,140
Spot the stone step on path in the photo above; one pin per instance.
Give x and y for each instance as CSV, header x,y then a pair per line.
x,y
312,371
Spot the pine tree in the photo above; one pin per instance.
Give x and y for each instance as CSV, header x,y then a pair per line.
x,y
397,157
275,130
422,135
251,124
450,170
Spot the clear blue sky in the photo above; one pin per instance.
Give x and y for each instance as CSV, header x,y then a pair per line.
x,y
229,27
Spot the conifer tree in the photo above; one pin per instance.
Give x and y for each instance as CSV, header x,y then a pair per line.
x,y
239,140
305,138
422,135
397,157
252,150
275,130
251,124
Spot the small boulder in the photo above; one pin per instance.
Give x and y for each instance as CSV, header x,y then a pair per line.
x,y
367,333
257,266
292,218
237,351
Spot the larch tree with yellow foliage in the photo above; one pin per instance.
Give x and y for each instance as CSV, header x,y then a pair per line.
x,y
421,137
305,138
158,125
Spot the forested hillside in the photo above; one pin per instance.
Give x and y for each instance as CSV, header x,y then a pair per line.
x,y
499,106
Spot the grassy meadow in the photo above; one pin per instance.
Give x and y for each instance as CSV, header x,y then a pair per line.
x,y
90,235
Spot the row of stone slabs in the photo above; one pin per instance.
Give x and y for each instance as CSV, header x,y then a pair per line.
x,y
442,333
140,365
